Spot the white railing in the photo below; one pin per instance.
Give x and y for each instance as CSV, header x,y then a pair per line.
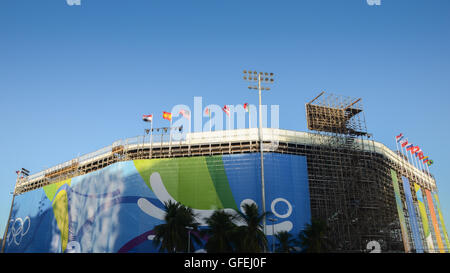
x,y
274,136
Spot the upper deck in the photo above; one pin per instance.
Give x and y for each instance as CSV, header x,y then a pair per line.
x,y
204,144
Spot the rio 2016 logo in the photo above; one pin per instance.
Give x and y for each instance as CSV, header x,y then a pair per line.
x,y
374,247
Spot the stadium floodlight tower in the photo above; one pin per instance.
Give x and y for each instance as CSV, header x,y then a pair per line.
x,y
254,77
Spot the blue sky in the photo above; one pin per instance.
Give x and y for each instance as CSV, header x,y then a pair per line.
x,y
74,79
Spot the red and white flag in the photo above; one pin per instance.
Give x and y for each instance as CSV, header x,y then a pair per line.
x,y
226,109
148,118
399,137
185,114
246,107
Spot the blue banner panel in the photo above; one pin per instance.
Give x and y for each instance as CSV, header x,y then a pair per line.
x,y
412,216
116,209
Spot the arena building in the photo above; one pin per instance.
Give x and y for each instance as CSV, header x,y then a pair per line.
x,y
372,199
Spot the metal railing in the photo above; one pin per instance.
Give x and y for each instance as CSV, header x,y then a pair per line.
x,y
271,138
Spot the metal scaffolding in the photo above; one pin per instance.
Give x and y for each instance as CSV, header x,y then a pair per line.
x,y
349,183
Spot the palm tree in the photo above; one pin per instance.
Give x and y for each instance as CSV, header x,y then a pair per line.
x,y
221,231
313,238
173,234
285,241
250,236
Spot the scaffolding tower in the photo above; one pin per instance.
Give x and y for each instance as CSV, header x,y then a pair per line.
x,y
348,191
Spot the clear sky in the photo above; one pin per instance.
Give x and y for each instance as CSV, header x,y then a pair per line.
x,y
74,79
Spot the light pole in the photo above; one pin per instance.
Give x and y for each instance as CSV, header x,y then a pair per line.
x,y
273,220
189,238
261,78
149,118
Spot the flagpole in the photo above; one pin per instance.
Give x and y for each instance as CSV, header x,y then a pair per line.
x,y
428,169
190,124
170,137
414,155
427,173
151,137
406,152
249,119
400,151
416,160
143,143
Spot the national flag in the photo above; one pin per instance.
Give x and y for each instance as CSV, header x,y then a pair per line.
x,y
167,115
246,107
185,114
413,149
399,137
420,155
418,152
148,118
226,109
404,142
207,112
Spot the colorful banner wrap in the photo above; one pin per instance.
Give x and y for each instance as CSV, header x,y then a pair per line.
x,y
437,231
115,209
401,216
441,219
412,216
424,217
